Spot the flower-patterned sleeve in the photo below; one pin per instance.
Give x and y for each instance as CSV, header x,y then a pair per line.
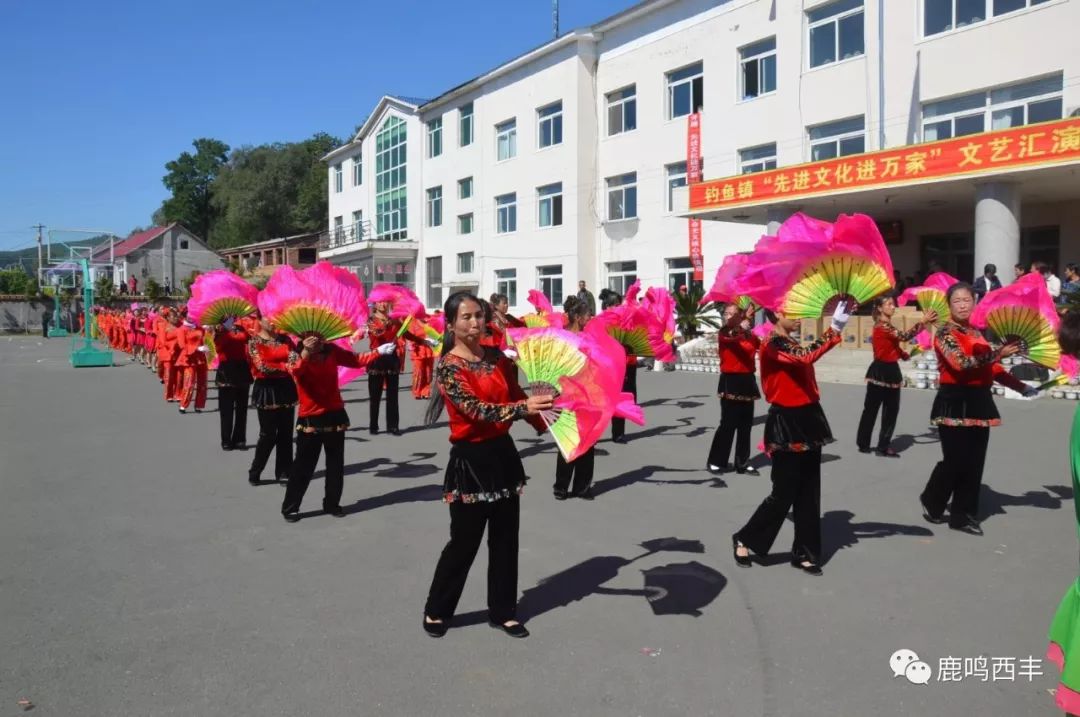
x,y
456,389
788,351
946,344
908,335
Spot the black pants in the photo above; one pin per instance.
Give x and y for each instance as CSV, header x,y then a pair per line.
x,y
888,399
467,521
796,479
308,447
618,425
736,418
581,470
232,410
276,427
375,390
959,473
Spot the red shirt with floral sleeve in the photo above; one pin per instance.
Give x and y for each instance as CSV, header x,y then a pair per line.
x,y
483,398
737,348
966,358
317,380
787,369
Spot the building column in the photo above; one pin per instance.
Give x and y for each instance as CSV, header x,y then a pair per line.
x,y
997,228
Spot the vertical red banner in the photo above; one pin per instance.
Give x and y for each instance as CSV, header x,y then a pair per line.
x,y
693,176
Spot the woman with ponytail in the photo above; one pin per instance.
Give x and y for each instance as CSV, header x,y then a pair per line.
x,y
484,476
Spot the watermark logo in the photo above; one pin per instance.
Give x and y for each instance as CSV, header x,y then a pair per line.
x,y
906,663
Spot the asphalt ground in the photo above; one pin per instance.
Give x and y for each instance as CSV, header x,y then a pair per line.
x,y
140,574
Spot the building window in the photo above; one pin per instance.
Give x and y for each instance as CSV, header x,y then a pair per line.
x,y
465,223
550,280
944,15
306,256
549,125
464,188
183,243
680,272
1041,244
954,253
465,263
465,125
339,230
836,32
338,180
757,159
434,207
506,284
838,139
758,68
621,275
358,170
676,177
434,281
434,137
622,110
506,213
358,225
549,205
685,91
622,197
999,108
391,206
506,140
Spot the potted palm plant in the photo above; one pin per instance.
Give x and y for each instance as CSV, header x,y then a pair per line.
x,y
691,316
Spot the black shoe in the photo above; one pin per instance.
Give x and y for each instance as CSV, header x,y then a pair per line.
x,y
198,410
182,410
515,630
971,527
886,453
395,432
283,478
717,470
930,517
336,511
863,450
253,479
226,446
743,561
374,431
561,495
810,568
435,629
585,494
291,517
620,439
747,471
241,446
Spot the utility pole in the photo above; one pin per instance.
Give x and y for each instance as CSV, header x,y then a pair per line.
x,y
555,17
39,228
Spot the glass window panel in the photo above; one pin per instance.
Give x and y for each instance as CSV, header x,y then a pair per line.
x,y
1003,6
629,115
826,150
759,48
1027,89
852,145
615,119
822,45
631,202
851,36
680,100
1011,117
833,9
937,16
750,79
1044,111
832,129
971,124
768,74
685,72
970,11
933,131
954,104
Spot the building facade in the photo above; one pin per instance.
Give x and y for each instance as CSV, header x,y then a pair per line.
x,y
168,255
263,258
567,163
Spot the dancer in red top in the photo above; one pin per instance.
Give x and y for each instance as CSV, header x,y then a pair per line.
x,y
423,361
795,431
579,470
323,420
191,358
964,411
484,475
168,352
233,379
737,390
883,378
274,396
386,369
500,320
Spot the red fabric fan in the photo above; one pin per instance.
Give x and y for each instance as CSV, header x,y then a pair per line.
x,y
660,303
347,374
545,315
636,329
403,302
322,300
632,293
733,266
1023,312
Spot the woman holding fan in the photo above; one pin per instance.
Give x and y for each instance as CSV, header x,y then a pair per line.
x,y
580,470
883,378
484,475
274,396
233,381
737,389
964,411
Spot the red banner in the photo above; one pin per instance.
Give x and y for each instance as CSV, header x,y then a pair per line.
x,y
693,176
1047,144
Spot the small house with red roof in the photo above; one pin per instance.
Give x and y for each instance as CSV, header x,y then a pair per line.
x,y
166,254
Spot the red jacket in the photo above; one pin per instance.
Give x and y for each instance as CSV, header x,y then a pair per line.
x,y
482,399
269,358
231,345
317,380
965,358
886,341
787,369
737,348
188,341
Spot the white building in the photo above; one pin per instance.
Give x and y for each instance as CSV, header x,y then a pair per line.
x,y
560,164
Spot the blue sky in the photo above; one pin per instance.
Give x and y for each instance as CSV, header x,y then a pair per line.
x,y
95,97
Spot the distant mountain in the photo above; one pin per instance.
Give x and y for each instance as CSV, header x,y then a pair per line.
x,y
28,257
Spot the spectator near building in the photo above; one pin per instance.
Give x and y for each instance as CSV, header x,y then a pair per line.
x,y
987,282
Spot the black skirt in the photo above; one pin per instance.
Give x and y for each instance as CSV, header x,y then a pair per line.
x,y
387,365
232,373
738,387
796,430
329,422
964,406
271,393
885,373
483,471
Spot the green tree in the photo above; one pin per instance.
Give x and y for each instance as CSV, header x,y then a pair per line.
x,y
15,281
104,291
153,289
190,178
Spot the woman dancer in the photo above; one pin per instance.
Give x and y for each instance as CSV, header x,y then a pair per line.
x,y
579,470
386,369
964,411
500,320
233,380
1065,629
274,396
618,425
423,361
883,378
191,360
737,390
795,431
484,475
323,420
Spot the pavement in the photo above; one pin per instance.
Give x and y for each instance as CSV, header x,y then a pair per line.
x,y
141,575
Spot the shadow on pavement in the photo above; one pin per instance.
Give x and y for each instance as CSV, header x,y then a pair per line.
x,y
642,474
839,531
416,494
992,502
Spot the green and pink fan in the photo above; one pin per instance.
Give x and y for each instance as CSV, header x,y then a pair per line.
x,y
219,295
323,300
729,271
636,328
931,296
1023,313
661,304
545,315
